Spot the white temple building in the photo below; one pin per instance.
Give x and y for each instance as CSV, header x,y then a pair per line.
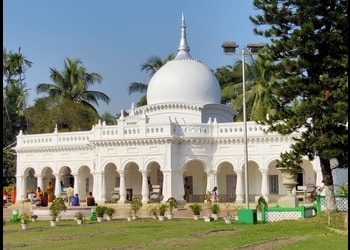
x,y
184,131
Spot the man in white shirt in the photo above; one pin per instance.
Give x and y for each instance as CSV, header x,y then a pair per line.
x,y
70,194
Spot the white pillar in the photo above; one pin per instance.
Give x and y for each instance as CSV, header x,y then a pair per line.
x,y
264,184
211,180
96,186
145,189
122,188
57,185
40,182
21,189
316,166
239,186
76,183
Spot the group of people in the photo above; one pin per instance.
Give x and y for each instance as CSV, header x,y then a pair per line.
x,y
73,199
5,196
39,199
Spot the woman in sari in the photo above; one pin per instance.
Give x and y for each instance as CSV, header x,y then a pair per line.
x,y
49,192
38,192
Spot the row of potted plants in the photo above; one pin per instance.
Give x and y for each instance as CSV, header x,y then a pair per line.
x,y
214,209
159,210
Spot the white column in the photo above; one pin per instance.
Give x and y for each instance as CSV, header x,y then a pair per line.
x,y
57,185
145,189
21,189
122,188
76,183
316,167
40,181
264,184
211,180
167,185
96,186
239,186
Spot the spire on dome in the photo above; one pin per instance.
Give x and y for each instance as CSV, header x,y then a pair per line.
x,y
183,49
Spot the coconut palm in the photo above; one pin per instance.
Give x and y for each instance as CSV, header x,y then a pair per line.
x,y
14,97
257,100
153,64
73,83
14,67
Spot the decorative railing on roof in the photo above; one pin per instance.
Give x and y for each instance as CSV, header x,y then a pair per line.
x,y
141,130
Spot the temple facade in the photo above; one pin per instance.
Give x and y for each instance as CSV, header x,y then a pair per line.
x,y
183,132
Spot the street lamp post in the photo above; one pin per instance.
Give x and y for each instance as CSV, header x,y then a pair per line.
x,y
245,134
230,49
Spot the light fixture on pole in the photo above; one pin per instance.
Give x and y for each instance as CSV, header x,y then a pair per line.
x,y
230,49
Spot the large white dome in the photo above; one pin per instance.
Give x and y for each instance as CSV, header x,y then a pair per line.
x,y
183,81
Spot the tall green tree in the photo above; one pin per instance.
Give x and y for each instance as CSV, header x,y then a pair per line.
x,y
231,83
153,64
73,83
309,85
44,116
15,65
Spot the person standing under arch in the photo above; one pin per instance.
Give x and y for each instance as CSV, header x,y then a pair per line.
x,y
214,194
49,192
187,188
70,194
13,195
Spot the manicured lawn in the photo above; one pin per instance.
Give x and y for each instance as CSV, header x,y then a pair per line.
x,y
312,233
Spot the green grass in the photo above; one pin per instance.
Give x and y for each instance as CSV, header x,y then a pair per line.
x,y
147,233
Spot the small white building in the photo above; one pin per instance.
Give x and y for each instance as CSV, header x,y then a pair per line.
x,y
184,131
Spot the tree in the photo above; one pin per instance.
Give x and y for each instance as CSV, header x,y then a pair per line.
x,y
257,100
153,64
73,83
14,105
309,84
66,116
109,119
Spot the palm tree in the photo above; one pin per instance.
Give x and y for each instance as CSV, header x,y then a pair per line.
x,y
14,105
153,64
257,100
73,83
14,67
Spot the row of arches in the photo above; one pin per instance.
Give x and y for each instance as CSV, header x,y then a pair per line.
x,y
134,180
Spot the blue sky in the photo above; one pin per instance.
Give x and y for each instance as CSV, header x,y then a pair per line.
x,y
114,37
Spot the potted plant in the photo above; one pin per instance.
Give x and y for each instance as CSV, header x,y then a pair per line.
x,y
79,216
129,217
289,165
154,210
196,209
215,208
162,209
135,206
24,217
57,206
100,211
172,203
54,214
110,211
